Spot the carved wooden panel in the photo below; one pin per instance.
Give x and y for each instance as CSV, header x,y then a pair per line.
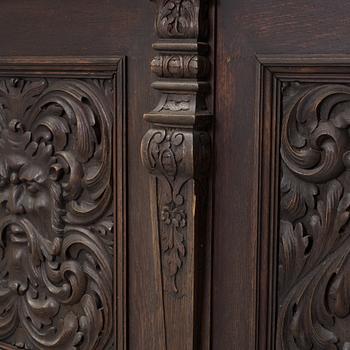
x,y
313,277
59,176
303,277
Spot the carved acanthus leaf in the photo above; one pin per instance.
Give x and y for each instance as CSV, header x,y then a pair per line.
x,y
313,288
178,18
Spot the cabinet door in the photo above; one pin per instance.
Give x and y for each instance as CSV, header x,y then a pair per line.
x,y
281,226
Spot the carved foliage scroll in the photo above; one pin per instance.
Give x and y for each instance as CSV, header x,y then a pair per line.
x,y
178,18
168,156
56,213
166,153
314,243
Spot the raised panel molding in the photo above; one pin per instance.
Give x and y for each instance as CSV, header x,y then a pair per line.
x,y
176,151
304,228
61,203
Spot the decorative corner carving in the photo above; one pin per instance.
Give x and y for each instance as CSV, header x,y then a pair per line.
x,y
176,151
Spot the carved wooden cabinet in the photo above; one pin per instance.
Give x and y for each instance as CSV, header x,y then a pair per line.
x,y
174,175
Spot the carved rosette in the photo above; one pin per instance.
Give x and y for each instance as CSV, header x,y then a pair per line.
x,y
176,152
314,254
56,214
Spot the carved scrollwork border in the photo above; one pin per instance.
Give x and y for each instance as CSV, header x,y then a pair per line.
x,y
303,149
176,151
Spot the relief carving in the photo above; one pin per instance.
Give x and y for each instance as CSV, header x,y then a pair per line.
x,y
176,103
56,213
314,252
166,156
180,66
178,18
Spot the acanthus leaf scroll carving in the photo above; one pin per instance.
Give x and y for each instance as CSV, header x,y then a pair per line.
x,y
314,245
56,223
178,18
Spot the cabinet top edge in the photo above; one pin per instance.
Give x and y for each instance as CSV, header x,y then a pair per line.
x,y
109,63
303,60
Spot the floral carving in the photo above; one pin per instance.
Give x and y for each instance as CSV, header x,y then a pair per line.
x,y
167,158
314,254
178,18
56,277
175,151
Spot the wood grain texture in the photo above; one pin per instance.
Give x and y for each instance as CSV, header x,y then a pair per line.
x,y
61,175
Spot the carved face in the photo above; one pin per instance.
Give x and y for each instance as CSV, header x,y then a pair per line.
x,y
55,201
27,191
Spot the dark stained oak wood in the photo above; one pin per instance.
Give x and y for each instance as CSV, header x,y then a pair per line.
x,y
277,252
104,29
303,245
177,152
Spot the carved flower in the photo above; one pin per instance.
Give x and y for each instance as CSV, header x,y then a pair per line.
x,y
175,217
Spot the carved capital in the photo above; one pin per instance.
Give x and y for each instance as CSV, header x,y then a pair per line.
x,y
181,19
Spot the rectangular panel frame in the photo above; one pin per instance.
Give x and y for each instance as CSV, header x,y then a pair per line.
x,y
272,72
112,67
